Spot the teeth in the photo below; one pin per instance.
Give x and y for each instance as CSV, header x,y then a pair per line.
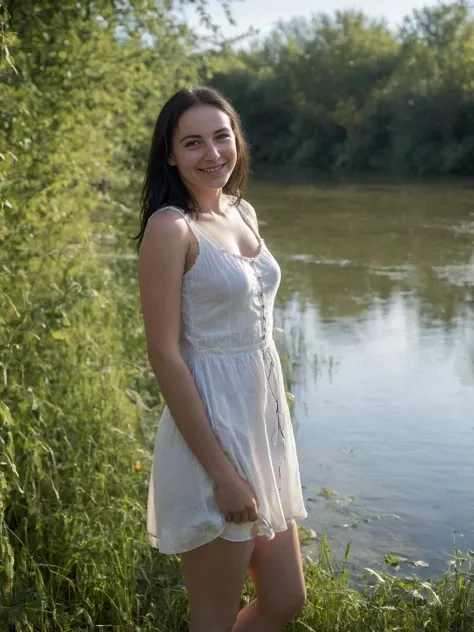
x,y
213,170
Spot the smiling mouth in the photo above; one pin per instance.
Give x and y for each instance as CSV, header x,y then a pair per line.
x,y
213,169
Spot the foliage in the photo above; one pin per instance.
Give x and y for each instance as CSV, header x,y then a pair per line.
x,y
82,83
80,90
380,601
346,92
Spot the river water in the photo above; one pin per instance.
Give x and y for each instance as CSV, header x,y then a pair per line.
x,y
377,303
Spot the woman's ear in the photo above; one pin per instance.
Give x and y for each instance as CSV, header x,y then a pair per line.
x,y
171,161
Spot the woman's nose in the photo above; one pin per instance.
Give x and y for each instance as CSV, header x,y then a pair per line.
x,y
212,151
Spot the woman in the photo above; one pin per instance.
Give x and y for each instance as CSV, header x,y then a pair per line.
x,y
225,486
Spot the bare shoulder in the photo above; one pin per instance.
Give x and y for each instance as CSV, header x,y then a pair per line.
x,y
168,221
249,212
164,229
164,245
246,204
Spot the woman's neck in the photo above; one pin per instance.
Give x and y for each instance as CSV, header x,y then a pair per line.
x,y
210,200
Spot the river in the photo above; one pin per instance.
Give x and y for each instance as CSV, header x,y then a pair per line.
x,y
377,304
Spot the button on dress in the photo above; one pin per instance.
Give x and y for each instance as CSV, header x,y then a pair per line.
x,y
226,341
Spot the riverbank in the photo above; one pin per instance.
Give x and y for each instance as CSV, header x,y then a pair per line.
x,y
79,408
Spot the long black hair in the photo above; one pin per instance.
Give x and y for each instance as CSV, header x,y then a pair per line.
x,y
162,185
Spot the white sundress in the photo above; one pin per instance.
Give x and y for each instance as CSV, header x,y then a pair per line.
x,y
227,342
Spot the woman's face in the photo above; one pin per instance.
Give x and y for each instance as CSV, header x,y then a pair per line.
x,y
203,148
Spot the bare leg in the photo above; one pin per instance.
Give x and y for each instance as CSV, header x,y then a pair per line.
x,y
214,575
277,572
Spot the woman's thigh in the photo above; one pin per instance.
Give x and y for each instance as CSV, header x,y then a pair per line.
x,y
214,575
276,569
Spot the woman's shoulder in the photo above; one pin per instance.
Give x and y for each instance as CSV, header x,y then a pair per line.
x,y
169,210
168,223
248,211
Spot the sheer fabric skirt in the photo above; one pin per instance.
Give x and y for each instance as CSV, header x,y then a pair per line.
x,y
244,397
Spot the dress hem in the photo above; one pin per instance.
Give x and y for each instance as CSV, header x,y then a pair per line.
x,y
154,542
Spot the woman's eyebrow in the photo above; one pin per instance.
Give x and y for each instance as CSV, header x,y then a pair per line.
x,y
218,131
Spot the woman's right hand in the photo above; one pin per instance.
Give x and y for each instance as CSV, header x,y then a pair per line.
x,y
236,499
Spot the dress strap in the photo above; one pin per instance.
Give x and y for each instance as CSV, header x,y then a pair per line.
x,y
191,224
247,213
172,208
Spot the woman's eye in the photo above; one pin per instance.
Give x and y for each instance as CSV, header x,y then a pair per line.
x,y
195,143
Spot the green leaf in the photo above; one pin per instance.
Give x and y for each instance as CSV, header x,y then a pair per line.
x,y
392,559
60,334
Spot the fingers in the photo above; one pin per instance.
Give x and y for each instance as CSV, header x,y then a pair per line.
x,y
242,516
237,517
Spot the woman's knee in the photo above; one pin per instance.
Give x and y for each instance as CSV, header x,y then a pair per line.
x,y
285,607
293,604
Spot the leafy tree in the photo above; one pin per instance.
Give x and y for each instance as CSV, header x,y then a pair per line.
x,y
344,91
82,83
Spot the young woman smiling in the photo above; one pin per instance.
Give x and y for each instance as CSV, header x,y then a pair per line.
x,y
224,490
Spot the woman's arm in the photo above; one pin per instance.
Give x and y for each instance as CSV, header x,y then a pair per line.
x,y
161,267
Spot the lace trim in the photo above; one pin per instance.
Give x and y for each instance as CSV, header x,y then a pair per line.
x,y
278,430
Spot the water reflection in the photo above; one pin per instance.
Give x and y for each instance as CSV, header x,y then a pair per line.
x,y
377,299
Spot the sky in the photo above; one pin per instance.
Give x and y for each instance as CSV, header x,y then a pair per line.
x,y
261,14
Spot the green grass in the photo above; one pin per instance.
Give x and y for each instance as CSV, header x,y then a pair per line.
x,y
379,601
79,406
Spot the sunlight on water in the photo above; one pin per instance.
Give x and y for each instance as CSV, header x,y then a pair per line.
x,y
377,302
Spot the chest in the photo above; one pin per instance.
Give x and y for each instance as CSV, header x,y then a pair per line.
x,y
219,277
